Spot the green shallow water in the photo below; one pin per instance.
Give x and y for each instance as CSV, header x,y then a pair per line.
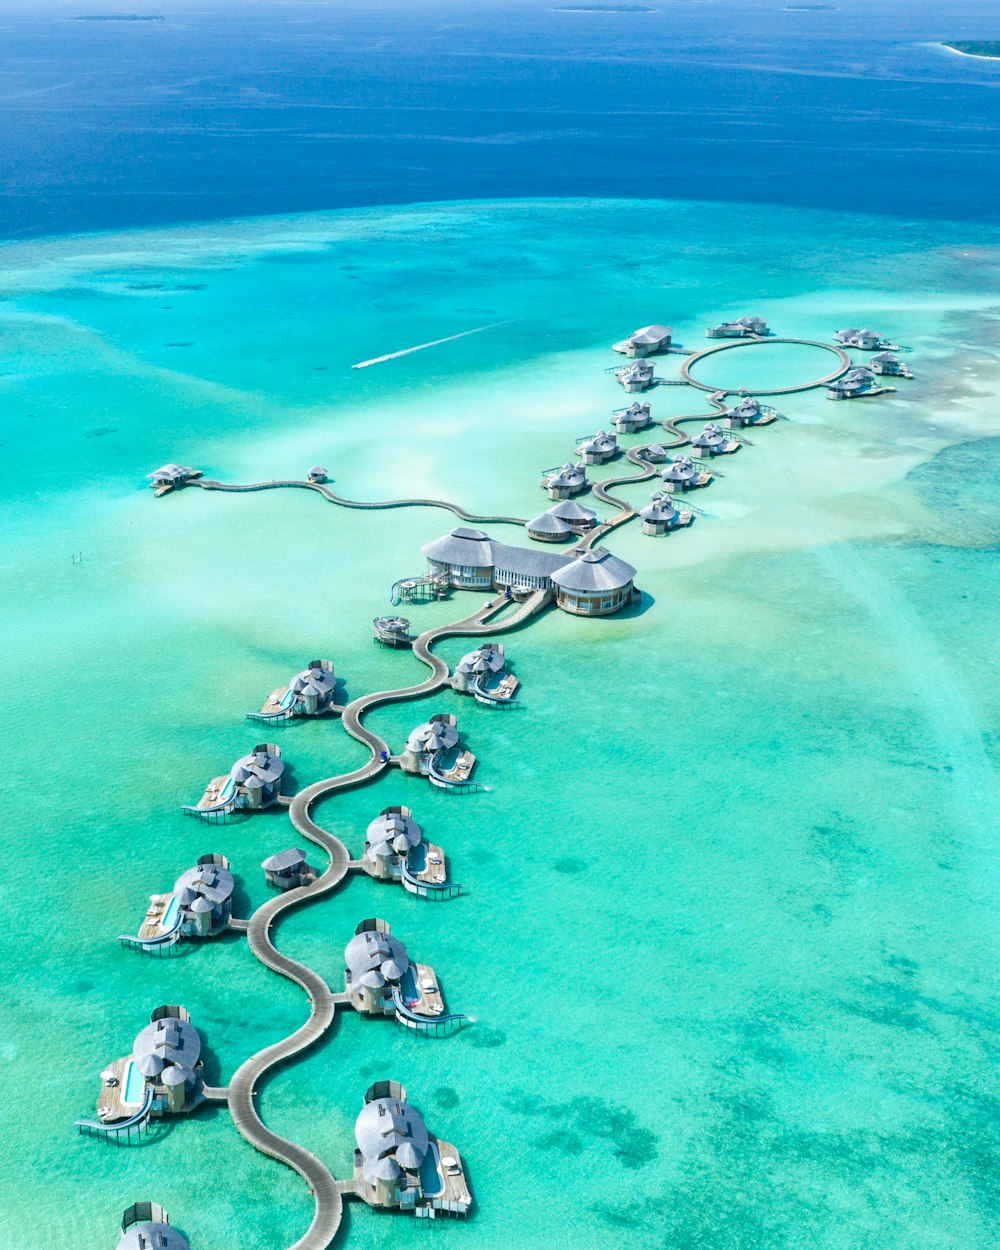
x,y
729,935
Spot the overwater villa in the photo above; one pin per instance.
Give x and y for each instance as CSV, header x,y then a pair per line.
x,y
864,340
598,448
585,583
644,342
595,583
577,517
200,905
683,474
395,850
393,631
712,441
561,483
432,750
383,981
287,870
632,419
548,528
398,1164
162,1075
170,476
855,384
309,693
253,782
743,328
317,474
660,515
483,674
748,411
637,376
146,1226
889,364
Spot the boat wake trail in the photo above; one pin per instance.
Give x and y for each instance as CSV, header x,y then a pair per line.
x,y
406,351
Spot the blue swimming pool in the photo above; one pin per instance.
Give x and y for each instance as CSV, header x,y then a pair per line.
x,y
170,915
408,987
135,1085
431,1175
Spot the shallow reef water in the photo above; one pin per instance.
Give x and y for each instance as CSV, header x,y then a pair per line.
x,y
730,904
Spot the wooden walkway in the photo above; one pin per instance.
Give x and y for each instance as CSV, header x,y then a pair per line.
x,y
323,1003
327,493
844,363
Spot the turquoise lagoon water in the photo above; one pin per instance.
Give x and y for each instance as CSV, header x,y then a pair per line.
x,y
729,933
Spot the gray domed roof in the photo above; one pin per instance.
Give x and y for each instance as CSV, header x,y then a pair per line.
x,y
548,523
391,832
152,1236
385,1125
372,951
660,508
172,1040
594,571
211,882
461,546
432,735
570,510
568,475
260,767
314,680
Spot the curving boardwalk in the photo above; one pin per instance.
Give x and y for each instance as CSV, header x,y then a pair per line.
x,y
320,489
844,363
323,1003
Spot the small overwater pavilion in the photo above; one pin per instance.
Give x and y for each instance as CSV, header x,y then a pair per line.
x,y
146,1226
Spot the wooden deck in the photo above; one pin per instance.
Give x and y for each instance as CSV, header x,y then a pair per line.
x,y
152,924
212,791
431,1001
433,873
461,770
110,1101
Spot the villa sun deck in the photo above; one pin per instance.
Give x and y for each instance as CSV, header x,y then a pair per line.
x,y
457,773
111,1104
430,1001
212,797
153,925
435,870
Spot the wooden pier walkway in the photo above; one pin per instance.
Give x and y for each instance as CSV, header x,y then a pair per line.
x,y
323,1002
844,363
327,493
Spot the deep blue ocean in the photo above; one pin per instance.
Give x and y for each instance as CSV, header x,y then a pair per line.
x,y
237,107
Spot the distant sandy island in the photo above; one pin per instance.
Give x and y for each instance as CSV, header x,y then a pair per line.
x,y
983,49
